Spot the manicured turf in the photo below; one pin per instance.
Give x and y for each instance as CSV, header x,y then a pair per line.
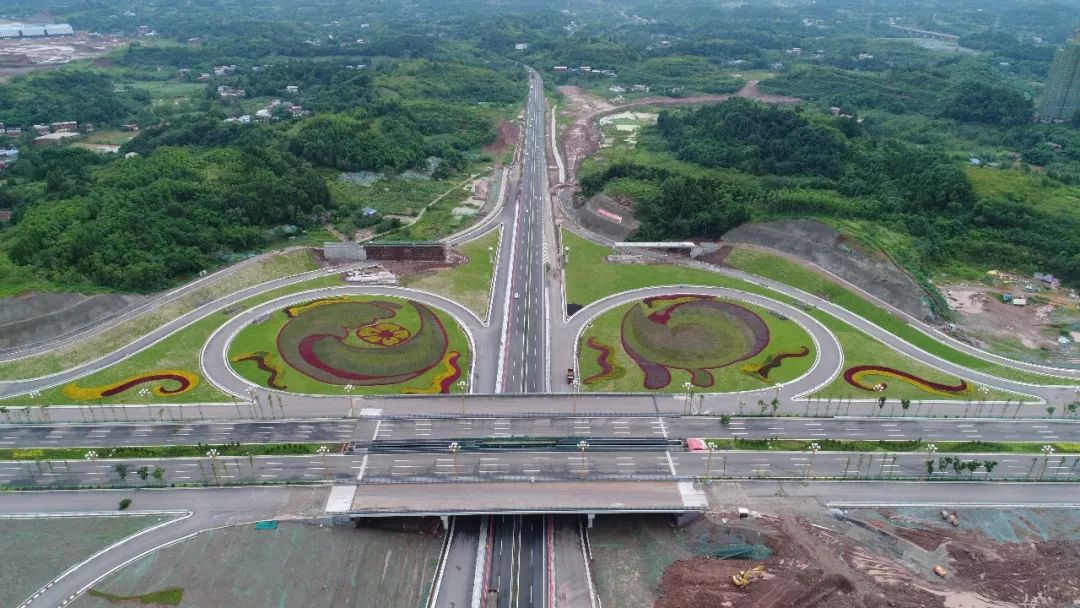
x,y
164,451
178,351
860,349
690,343
377,344
82,351
468,284
790,273
590,278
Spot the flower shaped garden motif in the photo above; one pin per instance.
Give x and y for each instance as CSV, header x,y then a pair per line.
x,y
383,334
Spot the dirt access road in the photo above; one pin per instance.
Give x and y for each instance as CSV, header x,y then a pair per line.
x,y
582,137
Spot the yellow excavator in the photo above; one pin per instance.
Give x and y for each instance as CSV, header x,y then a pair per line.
x,y
745,577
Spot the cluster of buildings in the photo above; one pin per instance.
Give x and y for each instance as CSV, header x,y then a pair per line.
x,y
585,69
8,156
270,112
59,131
230,93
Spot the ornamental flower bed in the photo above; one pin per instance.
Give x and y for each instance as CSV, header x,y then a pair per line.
x,y
692,333
170,382
363,343
856,376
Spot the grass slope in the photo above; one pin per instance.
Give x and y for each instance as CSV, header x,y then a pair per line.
x,y
468,284
40,549
252,273
178,351
589,278
782,270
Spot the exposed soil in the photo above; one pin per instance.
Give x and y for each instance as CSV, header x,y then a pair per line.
x,y
885,558
582,138
508,134
22,55
1028,332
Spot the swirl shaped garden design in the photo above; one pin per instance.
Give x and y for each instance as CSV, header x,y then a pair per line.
x,y
660,343
369,344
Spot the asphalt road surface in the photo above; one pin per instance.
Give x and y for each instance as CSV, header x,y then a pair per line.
x,y
456,588
524,347
364,431
516,465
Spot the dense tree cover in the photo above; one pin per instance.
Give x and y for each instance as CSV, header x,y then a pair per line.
x,y
986,103
142,221
853,174
758,139
79,95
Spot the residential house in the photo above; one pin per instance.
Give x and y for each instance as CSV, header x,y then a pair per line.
x,y
65,125
292,89
560,68
42,129
130,128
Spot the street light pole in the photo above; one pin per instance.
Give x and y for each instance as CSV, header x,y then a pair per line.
x,y
814,447
92,457
686,402
708,461
931,449
583,445
462,384
348,390
574,386
455,447
212,453
1047,451
145,394
322,452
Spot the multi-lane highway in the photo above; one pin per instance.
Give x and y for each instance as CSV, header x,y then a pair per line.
x,y
412,431
592,463
524,346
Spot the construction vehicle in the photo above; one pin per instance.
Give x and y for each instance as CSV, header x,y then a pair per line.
x,y
745,577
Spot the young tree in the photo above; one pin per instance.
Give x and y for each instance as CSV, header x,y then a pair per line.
x,y
905,405
143,472
121,470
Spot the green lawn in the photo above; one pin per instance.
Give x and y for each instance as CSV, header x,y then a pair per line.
x,y
393,195
164,451
468,284
263,338
780,269
82,351
589,278
178,351
628,376
1038,190
860,349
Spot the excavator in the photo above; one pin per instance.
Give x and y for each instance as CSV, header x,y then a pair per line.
x,y
745,577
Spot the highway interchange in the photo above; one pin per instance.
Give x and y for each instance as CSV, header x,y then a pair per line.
x,y
624,450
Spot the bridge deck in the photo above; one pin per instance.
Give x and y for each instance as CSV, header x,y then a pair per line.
x,y
545,497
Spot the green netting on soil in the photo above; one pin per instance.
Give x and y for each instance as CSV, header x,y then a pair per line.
x,y
754,552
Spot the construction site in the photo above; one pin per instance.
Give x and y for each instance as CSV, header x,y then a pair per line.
x,y
840,558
